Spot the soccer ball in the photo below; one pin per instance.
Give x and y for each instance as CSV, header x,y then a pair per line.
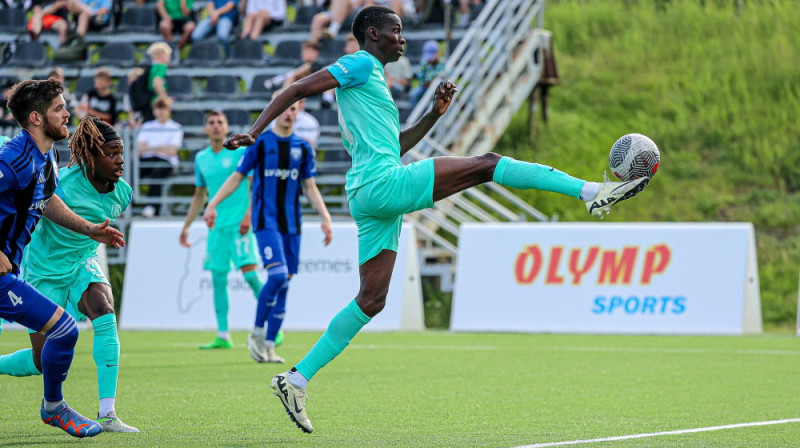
x,y
634,156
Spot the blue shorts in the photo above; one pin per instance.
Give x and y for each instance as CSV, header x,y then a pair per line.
x,y
278,248
20,302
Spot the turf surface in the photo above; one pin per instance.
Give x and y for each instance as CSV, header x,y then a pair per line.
x,y
434,389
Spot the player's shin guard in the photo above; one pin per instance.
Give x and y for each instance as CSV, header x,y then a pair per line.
x,y
219,281
254,282
106,355
529,176
19,363
57,356
342,329
275,319
278,275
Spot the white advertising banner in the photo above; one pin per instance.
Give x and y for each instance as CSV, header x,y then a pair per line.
x,y
166,287
607,278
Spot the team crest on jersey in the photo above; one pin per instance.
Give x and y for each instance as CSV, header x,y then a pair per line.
x,y
296,153
226,163
116,210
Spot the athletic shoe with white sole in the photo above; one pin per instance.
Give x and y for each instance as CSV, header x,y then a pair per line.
x,y
613,192
272,356
112,423
293,399
71,421
257,347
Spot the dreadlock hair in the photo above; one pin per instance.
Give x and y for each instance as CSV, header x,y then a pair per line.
x,y
86,143
371,16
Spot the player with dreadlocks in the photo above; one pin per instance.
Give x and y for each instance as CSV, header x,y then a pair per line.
x,y
64,265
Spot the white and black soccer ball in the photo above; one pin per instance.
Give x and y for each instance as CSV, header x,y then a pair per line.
x,y
634,156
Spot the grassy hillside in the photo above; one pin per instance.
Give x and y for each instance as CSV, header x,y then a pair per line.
x,y
716,84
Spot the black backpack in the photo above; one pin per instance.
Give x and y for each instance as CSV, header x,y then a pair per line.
x,y
140,93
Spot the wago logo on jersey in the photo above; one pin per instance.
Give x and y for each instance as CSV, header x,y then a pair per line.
x,y
558,265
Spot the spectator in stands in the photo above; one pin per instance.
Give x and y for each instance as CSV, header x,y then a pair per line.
x,y
222,17
158,143
464,10
177,16
100,13
160,54
326,25
428,70
260,16
134,118
71,103
6,117
350,44
100,102
398,76
309,54
47,15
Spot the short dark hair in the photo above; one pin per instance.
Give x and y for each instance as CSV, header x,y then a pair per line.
x,y
32,95
215,113
374,16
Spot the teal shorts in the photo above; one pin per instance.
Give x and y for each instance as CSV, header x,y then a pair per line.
x,y
378,207
226,248
67,293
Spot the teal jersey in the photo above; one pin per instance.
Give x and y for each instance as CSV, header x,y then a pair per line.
x,y
211,171
55,252
368,118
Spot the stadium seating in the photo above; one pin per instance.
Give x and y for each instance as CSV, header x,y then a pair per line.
x,y
287,53
331,51
302,20
84,85
180,86
189,117
257,88
120,54
246,52
238,117
221,87
138,20
13,21
206,53
28,54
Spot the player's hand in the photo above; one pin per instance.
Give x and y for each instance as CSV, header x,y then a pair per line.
x,y
104,233
443,97
210,217
245,225
237,140
184,238
5,265
326,229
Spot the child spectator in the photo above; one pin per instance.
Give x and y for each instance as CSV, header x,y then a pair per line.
x,y
100,102
428,70
177,16
222,17
158,143
57,73
134,117
261,15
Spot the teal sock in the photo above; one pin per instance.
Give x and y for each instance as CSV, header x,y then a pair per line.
x,y
533,176
219,281
342,329
19,363
254,281
105,352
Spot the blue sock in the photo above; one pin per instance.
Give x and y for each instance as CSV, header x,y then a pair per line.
x,y
219,281
57,356
277,276
533,176
275,319
342,329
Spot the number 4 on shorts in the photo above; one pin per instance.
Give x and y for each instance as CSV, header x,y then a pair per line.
x,y
15,299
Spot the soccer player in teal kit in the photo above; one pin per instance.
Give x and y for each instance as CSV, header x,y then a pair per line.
x,y
380,189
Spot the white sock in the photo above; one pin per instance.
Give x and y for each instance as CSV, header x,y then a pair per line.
x,y
51,406
269,344
224,335
106,406
589,191
298,379
259,331
334,28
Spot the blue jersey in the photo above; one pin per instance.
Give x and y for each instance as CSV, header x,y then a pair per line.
x,y
28,180
279,165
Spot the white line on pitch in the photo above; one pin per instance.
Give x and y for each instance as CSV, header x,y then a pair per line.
x,y
663,433
702,351
422,347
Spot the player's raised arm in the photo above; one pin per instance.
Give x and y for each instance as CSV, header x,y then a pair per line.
x,y
441,102
319,82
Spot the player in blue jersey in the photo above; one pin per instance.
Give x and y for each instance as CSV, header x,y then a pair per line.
x,y
28,179
283,166
380,189
64,266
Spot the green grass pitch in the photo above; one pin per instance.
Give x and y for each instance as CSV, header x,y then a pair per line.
x,y
434,389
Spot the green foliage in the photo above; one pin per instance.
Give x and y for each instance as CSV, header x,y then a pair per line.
x,y
432,389
715,85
